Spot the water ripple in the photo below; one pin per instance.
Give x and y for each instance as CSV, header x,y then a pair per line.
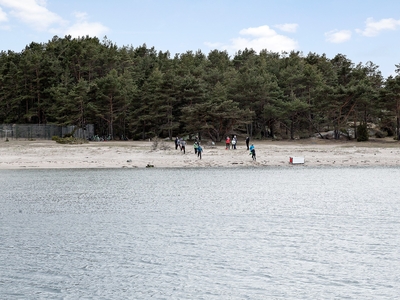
x,y
276,233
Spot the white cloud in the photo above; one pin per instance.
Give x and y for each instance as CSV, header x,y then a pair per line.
x,y
258,31
373,28
3,16
83,27
80,15
338,36
292,27
34,13
213,45
259,38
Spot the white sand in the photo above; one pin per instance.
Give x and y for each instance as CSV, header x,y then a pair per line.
x,y
126,154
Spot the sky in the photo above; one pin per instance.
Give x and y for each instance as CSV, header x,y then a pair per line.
x,y
362,30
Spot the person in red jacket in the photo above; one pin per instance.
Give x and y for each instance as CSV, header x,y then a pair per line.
x,y
227,142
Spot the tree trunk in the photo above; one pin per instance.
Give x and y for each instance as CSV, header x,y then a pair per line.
x,y
291,129
355,128
271,126
398,128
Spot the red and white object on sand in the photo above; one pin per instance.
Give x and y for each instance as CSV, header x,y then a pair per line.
x,y
294,160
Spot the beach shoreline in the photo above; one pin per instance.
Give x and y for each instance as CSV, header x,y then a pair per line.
x,y
47,154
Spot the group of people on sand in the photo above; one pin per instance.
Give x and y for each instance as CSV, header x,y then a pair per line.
x,y
197,148
232,143
181,143
229,144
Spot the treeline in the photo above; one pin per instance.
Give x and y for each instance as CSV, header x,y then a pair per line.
x,y
140,93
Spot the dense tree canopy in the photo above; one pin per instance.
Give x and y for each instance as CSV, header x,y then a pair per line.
x,y
141,93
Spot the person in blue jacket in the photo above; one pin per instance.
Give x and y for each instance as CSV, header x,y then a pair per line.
x,y
253,152
199,150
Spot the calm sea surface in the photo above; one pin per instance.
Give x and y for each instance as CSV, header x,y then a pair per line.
x,y
263,233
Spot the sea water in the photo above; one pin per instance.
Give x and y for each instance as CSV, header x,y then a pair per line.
x,y
211,233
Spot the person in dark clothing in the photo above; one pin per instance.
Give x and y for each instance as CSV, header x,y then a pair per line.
x,y
176,143
247,142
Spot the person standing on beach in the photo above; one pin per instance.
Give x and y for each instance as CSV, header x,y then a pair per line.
x,y
199,150
247,142
227,143
195,146
234,142
183,146
176,143
253,152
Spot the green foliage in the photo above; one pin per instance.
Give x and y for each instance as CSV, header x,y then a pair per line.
x,y
142,93
362,133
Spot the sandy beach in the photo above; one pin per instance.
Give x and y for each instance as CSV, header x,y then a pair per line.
x,y
45,154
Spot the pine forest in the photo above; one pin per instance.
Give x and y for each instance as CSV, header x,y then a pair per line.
x,y
142,93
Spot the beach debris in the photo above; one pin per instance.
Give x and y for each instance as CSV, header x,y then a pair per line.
x,y
149,166
129,160
296,160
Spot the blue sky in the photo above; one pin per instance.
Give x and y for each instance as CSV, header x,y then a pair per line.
x,y
363,30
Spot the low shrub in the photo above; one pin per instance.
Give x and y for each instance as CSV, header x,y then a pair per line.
x,y
380,134
70,140
362,133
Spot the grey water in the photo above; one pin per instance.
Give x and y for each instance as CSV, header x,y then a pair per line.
x,y
212,233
